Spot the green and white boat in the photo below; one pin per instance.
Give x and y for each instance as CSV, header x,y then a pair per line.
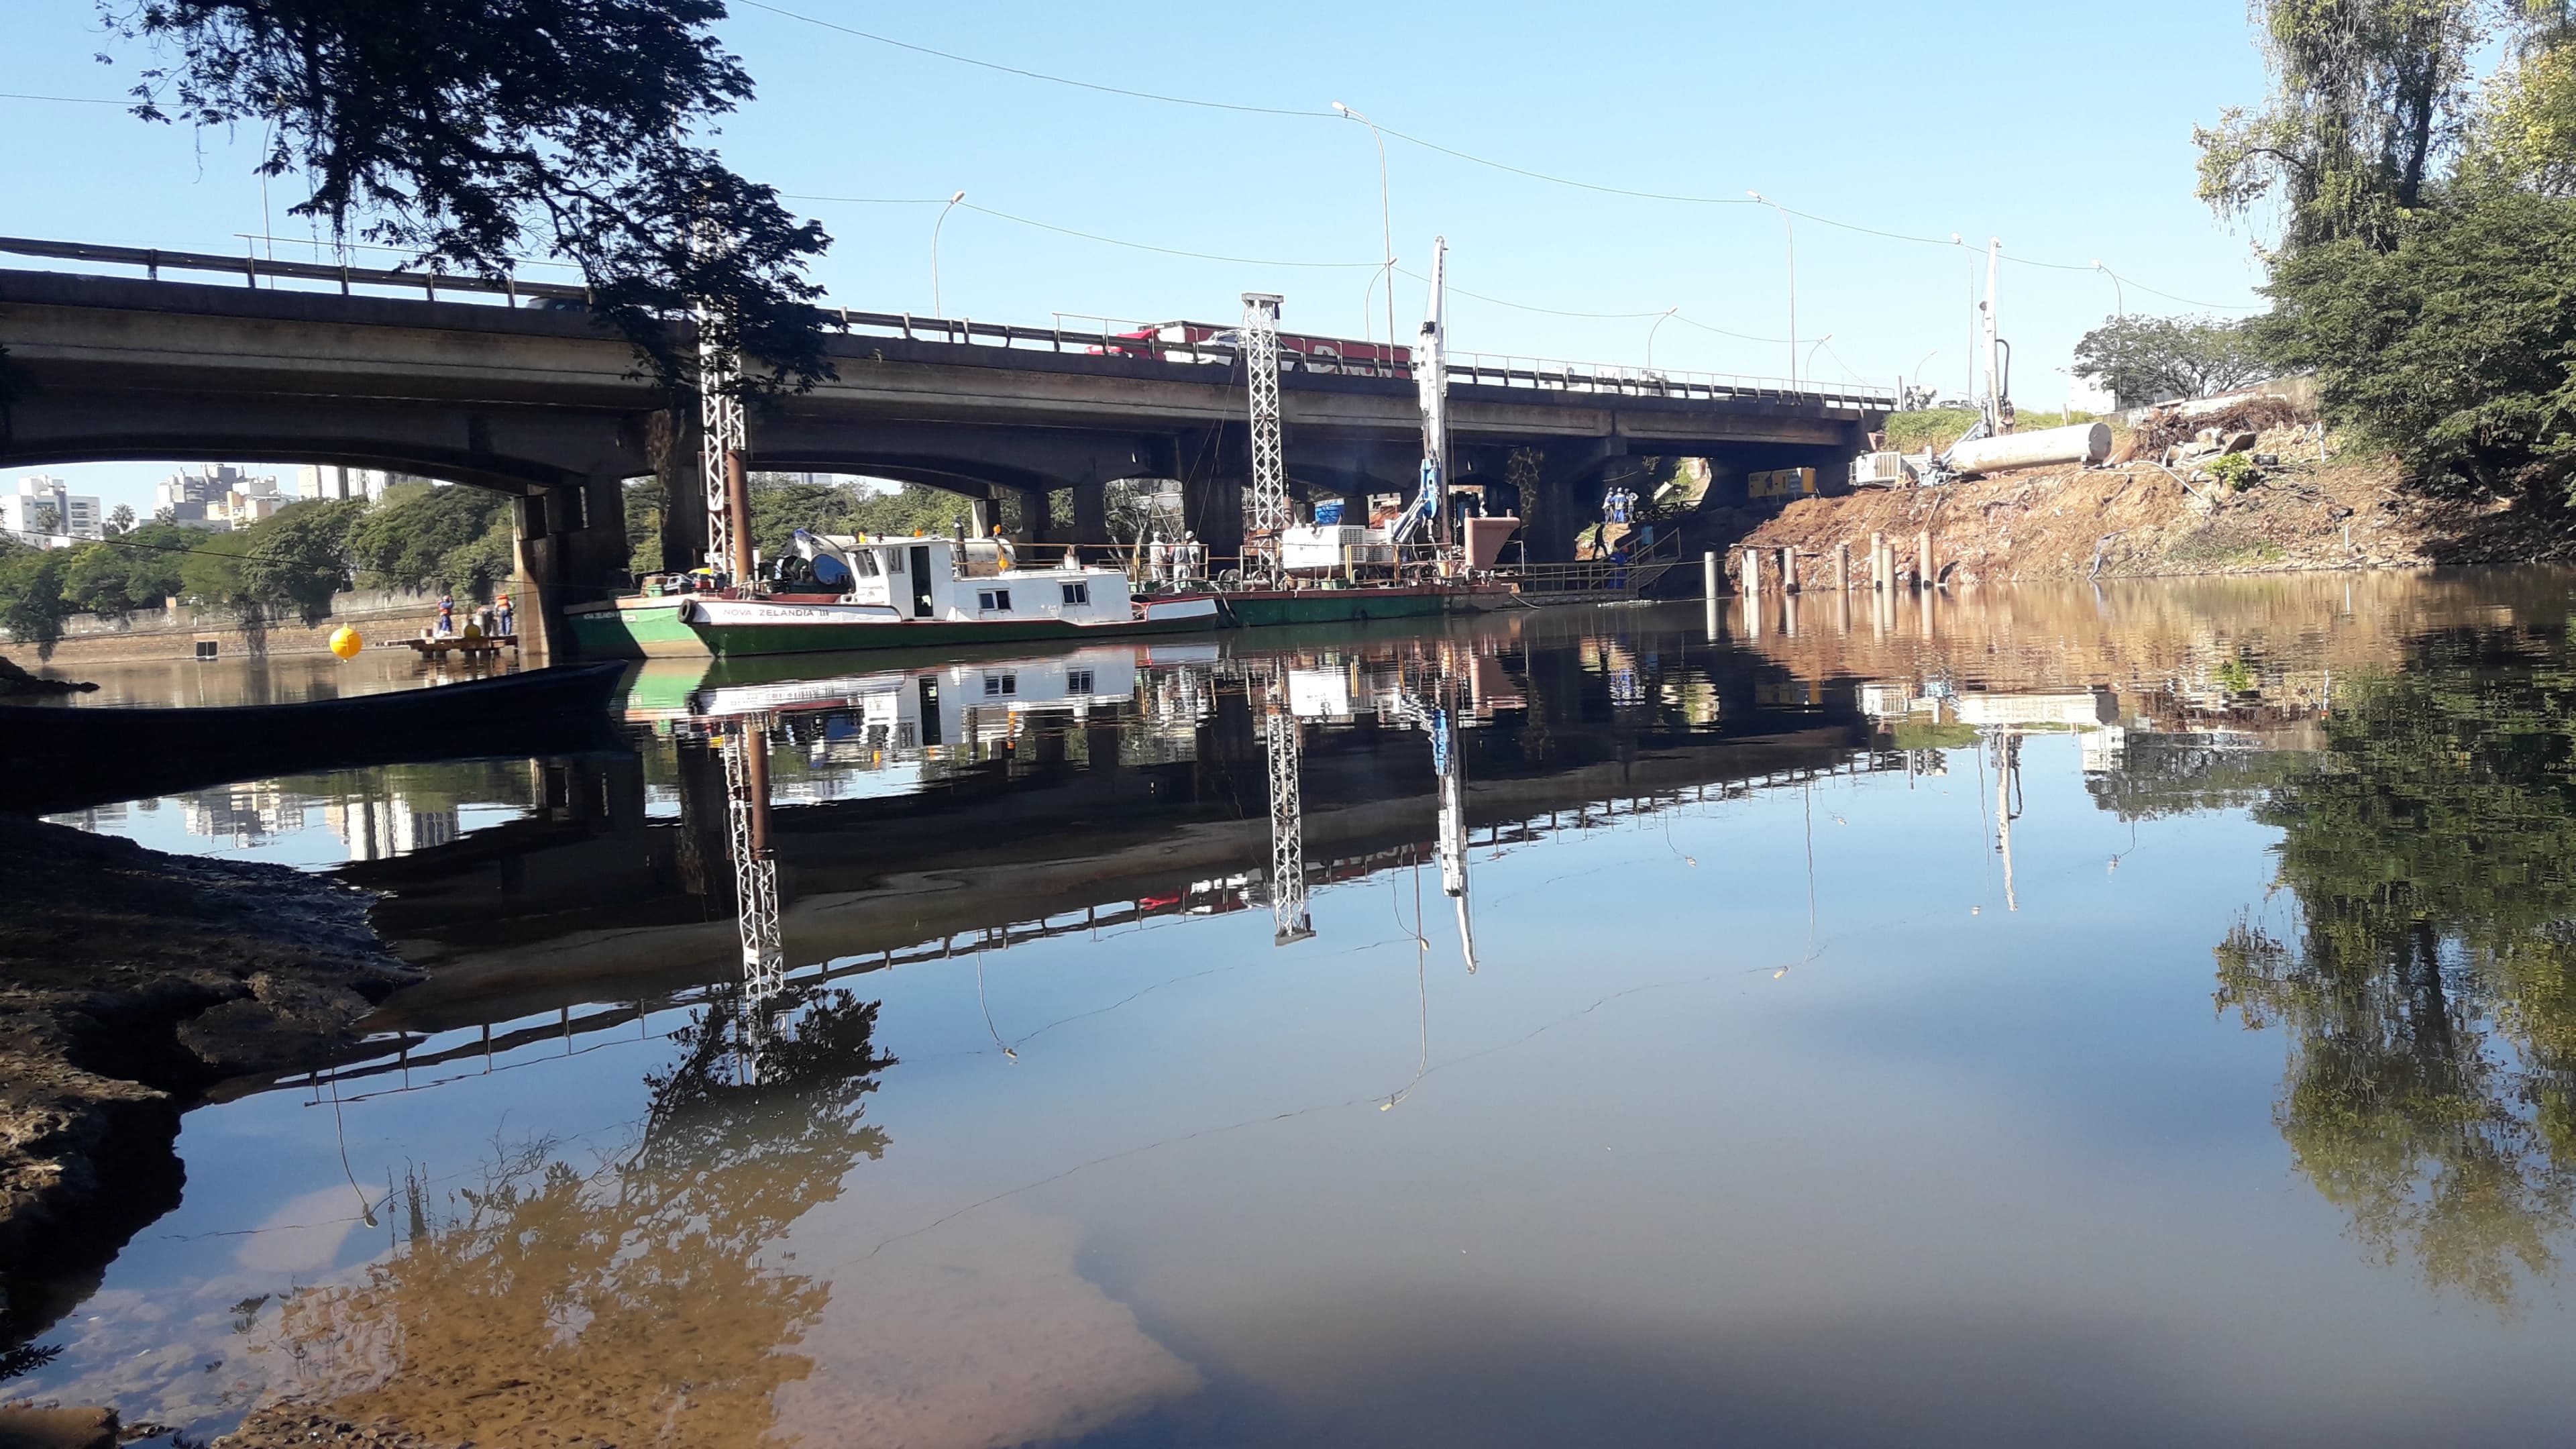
x,y
893,593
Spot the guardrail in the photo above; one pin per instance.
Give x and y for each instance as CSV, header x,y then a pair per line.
x,y
1470,369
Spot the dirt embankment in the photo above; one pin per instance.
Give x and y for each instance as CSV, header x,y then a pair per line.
x,y
2141,520
130,981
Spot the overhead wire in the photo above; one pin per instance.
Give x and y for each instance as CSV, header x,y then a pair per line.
x,y
1302,113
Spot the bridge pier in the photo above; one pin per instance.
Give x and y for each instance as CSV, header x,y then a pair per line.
x,y
1091,514
571,550
1212,508
671,443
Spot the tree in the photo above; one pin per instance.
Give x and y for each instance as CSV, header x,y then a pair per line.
x,y
31,595
120,519
2369,97
2144,359
468,133
298,557
137,570
2455,348
420,535
211,574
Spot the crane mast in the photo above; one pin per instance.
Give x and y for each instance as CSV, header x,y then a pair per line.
x,y
1431,384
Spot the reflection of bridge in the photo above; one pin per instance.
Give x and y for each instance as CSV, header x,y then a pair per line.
x,y
546,404
1042,829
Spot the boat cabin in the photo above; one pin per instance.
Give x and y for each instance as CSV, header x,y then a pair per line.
x,y
932,579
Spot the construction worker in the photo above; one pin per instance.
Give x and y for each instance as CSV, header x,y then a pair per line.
x,y
1158,560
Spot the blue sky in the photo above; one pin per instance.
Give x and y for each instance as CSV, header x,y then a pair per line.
x,y
1869,115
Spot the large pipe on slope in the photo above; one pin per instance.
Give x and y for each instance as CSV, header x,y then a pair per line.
x,y
2082,443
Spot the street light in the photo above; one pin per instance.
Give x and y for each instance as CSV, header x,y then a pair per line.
x,y
1811,358
1793,282
934,252
1386,228
2117,302
1650,335
1918,366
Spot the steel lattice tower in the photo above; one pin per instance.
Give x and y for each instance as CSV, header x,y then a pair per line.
x,y
720,435
1285,743
1266,515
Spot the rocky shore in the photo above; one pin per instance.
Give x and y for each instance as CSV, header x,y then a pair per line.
x,y
130,982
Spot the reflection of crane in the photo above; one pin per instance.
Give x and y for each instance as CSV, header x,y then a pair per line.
x,y
1438,717
2007,804
755,880
1284,741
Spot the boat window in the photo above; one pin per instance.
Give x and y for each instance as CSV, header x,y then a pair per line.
x,y
894,560
866,560
1077,593
1077,681
996,600
997,685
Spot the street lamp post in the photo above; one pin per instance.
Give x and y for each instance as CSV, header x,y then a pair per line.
x,y
1811,357
934,251
1386,226
1650,335
1918,367
2118,303
1793,282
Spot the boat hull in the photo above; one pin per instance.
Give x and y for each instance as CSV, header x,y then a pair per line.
x,y
1260,609
732,629
633,629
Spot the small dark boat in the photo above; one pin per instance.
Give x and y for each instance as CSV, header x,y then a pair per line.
x,y
74,757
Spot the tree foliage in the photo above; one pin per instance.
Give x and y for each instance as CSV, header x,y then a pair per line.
x,y
2430,990
2369,97
2145,359
31,594
469,133
298,558
2455,348
421,535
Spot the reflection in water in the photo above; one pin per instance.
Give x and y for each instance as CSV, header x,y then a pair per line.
x,y
1194,1188
628,1305
2428,985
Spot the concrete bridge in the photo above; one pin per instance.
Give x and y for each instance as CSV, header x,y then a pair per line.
x,y
542,402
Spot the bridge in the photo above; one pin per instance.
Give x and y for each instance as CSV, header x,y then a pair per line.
x,y
510,384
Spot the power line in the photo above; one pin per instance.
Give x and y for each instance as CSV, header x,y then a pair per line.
x,y
1096,237
63,100
1037,75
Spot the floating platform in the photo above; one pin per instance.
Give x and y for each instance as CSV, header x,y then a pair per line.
x,y
440,646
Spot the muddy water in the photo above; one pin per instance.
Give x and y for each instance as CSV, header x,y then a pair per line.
x,y
2033,1017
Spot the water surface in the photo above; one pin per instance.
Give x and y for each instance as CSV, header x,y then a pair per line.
x,y
2031,1017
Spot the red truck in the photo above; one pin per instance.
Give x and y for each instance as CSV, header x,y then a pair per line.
x,y
1184,341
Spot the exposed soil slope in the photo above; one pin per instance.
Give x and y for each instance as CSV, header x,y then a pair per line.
x,y
2139,519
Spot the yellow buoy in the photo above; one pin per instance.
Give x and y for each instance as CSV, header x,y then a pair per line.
x,y
346,643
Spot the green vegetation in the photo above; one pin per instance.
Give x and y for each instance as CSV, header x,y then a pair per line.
x,y
471,134
2428,987
2235,471
288,565
780,505
2427,266
2142,359
1938,428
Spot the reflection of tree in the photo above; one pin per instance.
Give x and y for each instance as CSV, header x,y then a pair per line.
x,y
631,1305
2431,990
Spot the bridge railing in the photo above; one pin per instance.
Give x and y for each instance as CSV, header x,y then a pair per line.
x,y
1107,338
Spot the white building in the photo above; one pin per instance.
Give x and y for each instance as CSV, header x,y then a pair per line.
x,y
218,496
45,511
335,481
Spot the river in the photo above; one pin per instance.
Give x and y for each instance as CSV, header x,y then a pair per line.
x,y
2133,1016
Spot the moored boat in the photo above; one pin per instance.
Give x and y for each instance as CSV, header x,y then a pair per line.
x,y
910,593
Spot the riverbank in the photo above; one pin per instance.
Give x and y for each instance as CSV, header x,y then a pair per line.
x,y
135,981
2139,520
